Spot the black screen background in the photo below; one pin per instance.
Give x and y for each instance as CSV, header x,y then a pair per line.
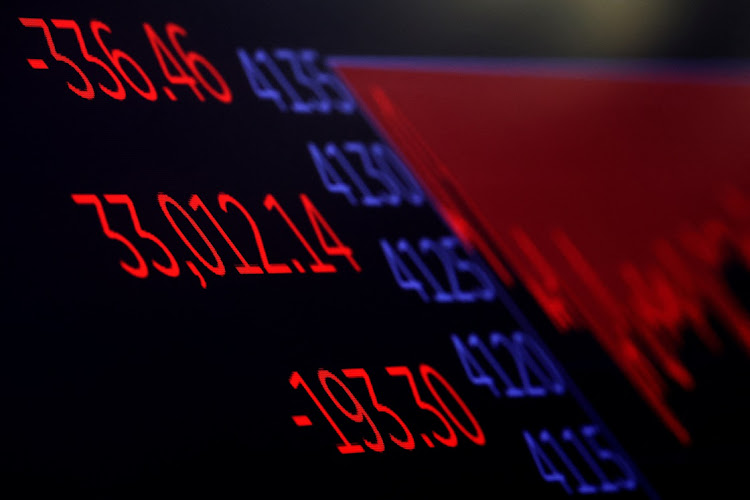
x,y
114,386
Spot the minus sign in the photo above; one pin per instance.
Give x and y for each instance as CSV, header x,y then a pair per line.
x,y
37,64
302,420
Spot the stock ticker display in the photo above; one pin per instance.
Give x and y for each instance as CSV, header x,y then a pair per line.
x,y
389,249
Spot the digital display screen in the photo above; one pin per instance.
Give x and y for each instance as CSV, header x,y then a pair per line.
x,y
390,249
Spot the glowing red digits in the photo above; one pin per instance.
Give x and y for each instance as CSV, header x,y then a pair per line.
x,y
161,50
359,415
319,266
116,56
224,200
406,439
478,435
347,447
319,224
195,62
402,371
119,91
214,262
193,59
244,267
164,201
88,91
139,271
173,269
408,443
